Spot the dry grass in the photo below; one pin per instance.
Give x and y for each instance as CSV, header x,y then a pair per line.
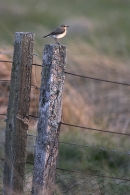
x,y
97,46
100,104
86,102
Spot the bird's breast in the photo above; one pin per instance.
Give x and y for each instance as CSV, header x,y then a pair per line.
x,y
58,36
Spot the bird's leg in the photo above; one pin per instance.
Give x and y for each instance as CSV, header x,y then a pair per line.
x,y
56,41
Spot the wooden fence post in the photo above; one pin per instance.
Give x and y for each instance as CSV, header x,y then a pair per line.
x,y
50,108
18,115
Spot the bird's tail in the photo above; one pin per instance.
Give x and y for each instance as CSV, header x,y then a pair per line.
x,y
46,36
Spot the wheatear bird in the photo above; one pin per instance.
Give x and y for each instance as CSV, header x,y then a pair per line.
x,y
58,33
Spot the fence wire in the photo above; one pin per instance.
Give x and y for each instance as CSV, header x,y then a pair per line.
x,y
77,183
96,180
81,76
28,179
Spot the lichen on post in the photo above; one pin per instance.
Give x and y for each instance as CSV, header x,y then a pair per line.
x,y
50,109
18,115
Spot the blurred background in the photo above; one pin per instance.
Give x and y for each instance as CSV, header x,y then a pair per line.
x,y
98,45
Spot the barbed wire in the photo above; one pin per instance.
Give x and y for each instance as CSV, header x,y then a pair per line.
x,y
36,117
88,128
6,52
84,146
7,82
97,175
4,114
94,129
34,64
31,135
97,79
37,88
74,183
82,127
94,147
87,146
8,61
82,76
84,173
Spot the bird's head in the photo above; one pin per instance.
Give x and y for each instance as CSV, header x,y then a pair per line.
x,y
64,26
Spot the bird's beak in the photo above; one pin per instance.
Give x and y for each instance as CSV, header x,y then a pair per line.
x,y
67,26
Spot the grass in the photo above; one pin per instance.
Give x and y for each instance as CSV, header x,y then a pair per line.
x,y
98,45
97,152
110,20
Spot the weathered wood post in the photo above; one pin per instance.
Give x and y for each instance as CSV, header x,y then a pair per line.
x,y
18,114
50,108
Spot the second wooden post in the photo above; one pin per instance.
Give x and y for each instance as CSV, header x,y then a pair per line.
x,y
18,115
50,109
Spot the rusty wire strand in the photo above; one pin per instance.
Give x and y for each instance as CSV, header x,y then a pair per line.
x,y
5,82
77,126
94,129
82,76
88,128
83,127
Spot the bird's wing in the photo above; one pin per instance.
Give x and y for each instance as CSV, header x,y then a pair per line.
x,y
57,31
